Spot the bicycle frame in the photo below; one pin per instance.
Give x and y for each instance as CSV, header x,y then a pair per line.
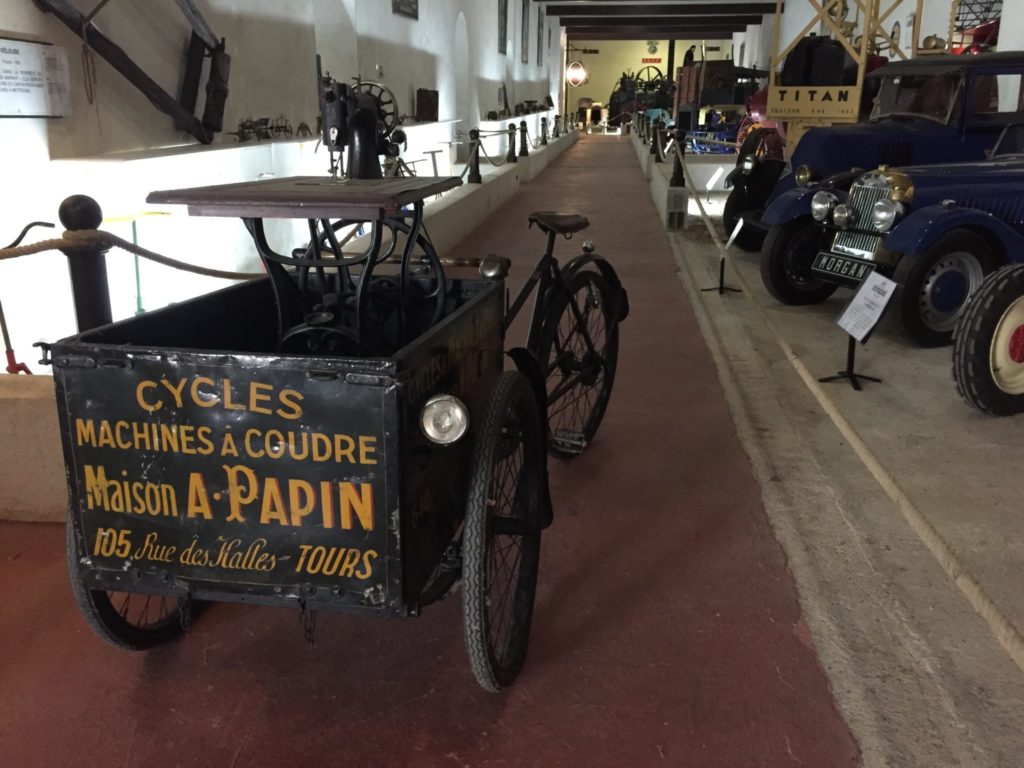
x,y
546,274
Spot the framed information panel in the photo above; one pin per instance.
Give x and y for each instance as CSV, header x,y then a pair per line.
x,y
34,80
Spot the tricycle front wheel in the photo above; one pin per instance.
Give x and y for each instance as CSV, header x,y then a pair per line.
x,y
127,620
501,538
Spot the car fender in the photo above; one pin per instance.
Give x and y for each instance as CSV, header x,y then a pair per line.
x,y
792,205
920,230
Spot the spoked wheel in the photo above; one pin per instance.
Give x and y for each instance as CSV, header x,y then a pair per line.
x,y
127,620
649,78
387,104
579,349
501,538
988,347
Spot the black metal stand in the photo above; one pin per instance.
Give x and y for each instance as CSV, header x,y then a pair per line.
x,y
849,374
721,287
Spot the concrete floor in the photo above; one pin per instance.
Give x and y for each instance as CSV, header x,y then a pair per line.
x,y
668,627
909,576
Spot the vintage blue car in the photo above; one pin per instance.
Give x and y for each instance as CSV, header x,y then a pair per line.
x,y
934,109
937,230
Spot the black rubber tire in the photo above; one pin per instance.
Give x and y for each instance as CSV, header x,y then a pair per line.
x,y
786,258
595,373
972,342
510,428
748,240
107,621
912,272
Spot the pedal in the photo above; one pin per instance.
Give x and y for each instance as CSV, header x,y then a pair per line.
x,y
568,442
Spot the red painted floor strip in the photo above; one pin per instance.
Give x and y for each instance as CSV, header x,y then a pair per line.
x,y
667,630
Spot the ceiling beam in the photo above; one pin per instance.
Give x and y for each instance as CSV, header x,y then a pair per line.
x,y
660,9
650,33
664,21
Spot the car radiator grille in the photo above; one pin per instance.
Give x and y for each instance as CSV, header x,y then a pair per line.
x,y
862,199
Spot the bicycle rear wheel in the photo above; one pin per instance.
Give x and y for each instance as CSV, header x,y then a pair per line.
x,y
578,350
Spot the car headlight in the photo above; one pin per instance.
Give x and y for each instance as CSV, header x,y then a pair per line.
x,y
843,215
822,204
803,176
748,164
444,419
884,214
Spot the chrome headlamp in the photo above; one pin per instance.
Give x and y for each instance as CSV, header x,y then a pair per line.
x,y
822,204
843,215
748,164
803,176
884,214
444,419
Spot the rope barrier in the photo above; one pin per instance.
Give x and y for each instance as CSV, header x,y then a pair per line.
x,y
473,147
94,238
535,143
490,159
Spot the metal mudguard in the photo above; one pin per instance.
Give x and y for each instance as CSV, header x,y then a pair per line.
x,y
922,228
789,206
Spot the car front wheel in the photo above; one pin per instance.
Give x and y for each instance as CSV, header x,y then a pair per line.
x,y
934,287
786,258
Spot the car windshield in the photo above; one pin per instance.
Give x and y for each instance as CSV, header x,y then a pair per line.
x,y
929,96
1011,142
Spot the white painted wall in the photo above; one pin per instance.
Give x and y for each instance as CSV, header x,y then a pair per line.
x,y
273,45
1011,30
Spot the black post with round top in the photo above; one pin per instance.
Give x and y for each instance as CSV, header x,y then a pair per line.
x,y
87,264
511,156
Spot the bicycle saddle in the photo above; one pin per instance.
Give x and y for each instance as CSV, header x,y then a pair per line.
x,y
562,223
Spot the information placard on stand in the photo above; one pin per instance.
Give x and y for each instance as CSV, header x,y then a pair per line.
x,y
865,309
858,319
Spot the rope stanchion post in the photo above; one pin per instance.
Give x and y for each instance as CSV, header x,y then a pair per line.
x,y
524,140
87,264
645,122
556,131
656,150
511,156
543,131
678,176
721,288
474,158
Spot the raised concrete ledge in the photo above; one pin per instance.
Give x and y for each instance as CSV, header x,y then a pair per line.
x,y
32,480
33,486
702,169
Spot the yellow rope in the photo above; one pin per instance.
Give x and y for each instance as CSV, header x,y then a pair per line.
x,y
74,240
